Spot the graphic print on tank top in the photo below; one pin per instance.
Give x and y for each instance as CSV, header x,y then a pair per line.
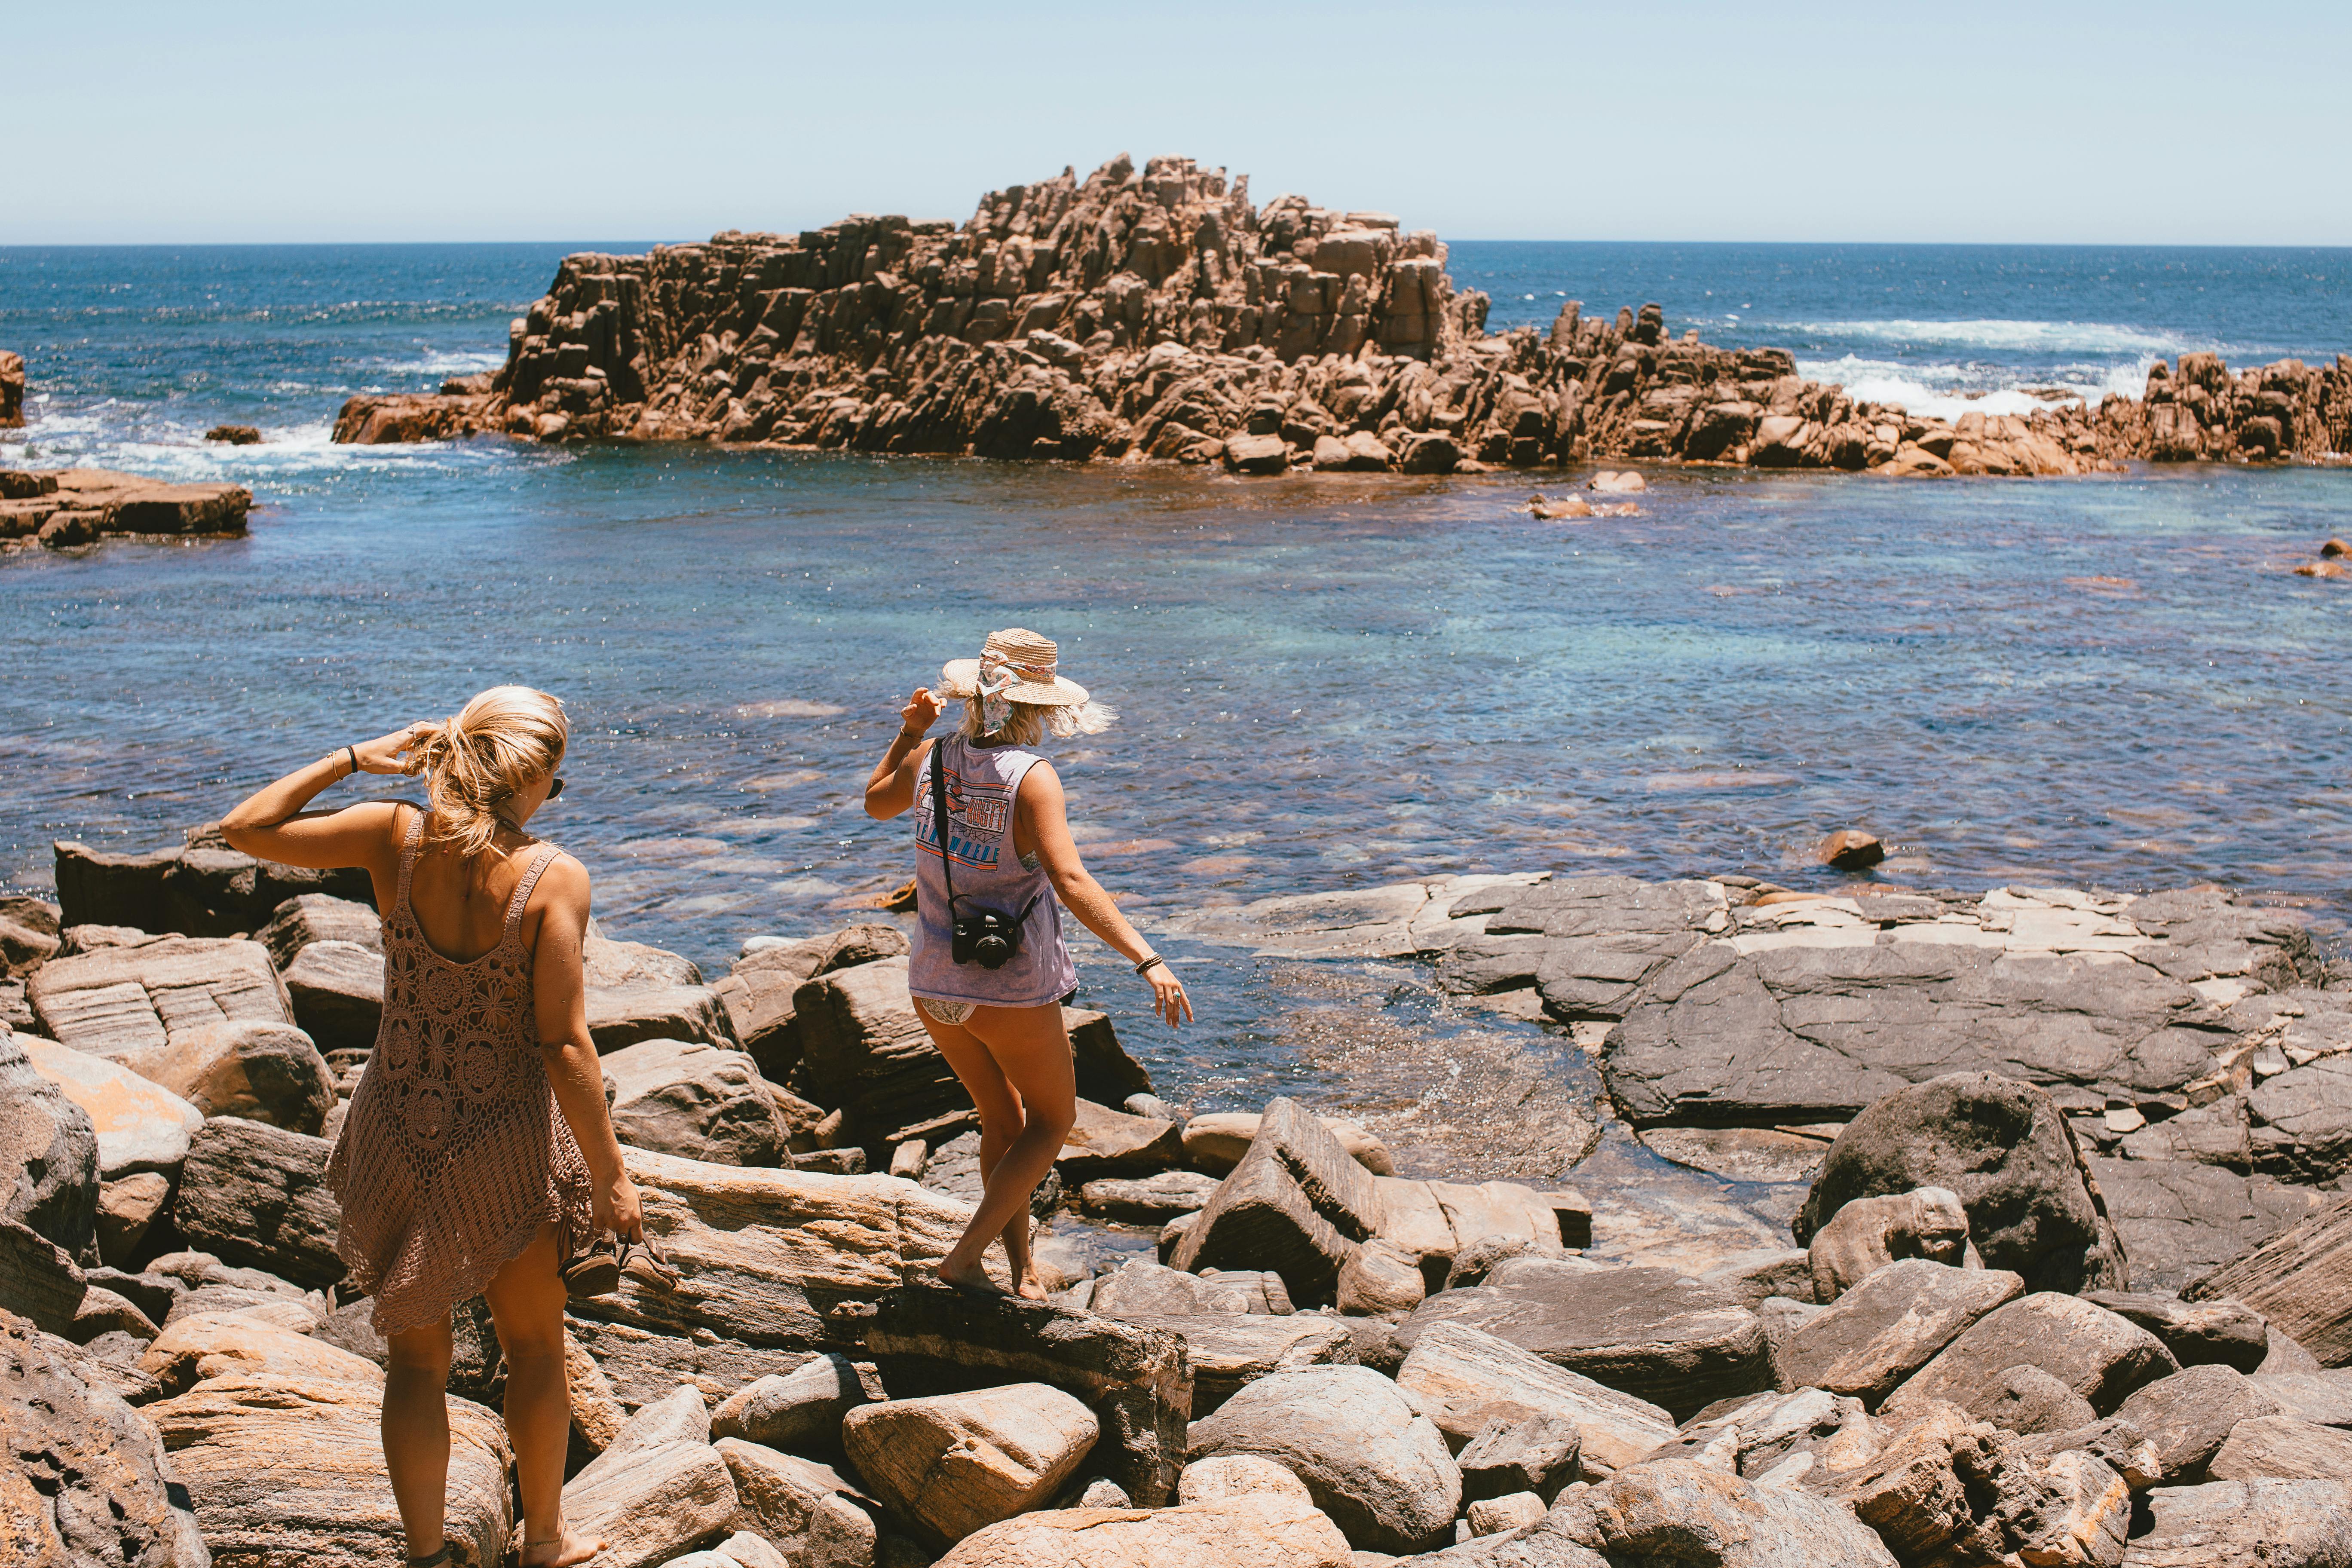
x,y
980,813
982,783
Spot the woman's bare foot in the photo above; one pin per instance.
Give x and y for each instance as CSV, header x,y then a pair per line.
x,y
1025,1283
561,1550
972,1280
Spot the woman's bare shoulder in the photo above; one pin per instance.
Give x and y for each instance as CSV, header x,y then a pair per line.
x,y
565,875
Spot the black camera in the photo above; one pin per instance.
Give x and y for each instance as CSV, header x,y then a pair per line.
x,y
987,939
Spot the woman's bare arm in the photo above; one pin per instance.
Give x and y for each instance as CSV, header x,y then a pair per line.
x,y
1041,808
560,1003
270,823
891,789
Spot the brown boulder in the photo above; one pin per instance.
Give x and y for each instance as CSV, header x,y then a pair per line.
x,y
2099,1356
1258,1530
86,1480
287,1472
957,1463
1850,849
2300,1279
125,1002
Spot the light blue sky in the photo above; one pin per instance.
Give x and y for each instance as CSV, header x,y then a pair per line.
x,y
2148,122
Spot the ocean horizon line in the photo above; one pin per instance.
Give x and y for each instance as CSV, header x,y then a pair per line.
x,y
1889,245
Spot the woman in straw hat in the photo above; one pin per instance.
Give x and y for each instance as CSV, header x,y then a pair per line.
x,y
1006,853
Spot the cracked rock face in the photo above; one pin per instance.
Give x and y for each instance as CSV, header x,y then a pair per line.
x,y
1815,1034
1810,1010
87,1480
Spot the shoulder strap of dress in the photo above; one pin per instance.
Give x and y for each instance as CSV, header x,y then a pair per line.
x,y
540,862
409,844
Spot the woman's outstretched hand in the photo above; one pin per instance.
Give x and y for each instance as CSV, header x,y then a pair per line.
x,y
1168,998
398,752
921,711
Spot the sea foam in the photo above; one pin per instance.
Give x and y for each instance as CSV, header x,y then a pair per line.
x,y
2013,337
1948,390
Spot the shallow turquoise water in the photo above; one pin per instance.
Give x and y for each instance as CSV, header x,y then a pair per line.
x,y
1327,681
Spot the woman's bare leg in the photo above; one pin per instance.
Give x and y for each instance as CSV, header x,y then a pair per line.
x,y
526,1302
1031,1051
416,1432
1002,1118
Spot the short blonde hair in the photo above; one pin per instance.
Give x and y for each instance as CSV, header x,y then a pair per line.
x,y
1029,722
496,746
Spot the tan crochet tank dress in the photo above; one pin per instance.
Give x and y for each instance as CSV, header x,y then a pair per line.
x,y
454,1152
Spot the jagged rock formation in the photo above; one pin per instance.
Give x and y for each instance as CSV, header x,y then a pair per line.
x,y
1158,314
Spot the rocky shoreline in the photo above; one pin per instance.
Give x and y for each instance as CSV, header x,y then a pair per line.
x,y
58,508
2061,1279
1155,313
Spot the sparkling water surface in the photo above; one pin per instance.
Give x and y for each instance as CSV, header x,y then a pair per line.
x,y
1327,682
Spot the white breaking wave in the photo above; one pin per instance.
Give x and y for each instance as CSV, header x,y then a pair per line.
x,y
440,362
2011,337
165,449
1948,390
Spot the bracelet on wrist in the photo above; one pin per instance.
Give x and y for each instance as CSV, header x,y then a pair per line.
x,y
353,752
1148,963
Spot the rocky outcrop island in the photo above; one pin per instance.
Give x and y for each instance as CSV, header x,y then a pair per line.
x,y
1157,314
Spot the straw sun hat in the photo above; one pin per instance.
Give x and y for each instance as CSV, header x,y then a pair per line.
x,y
1026,657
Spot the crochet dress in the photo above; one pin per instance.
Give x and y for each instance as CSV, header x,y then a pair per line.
x,y
454,1152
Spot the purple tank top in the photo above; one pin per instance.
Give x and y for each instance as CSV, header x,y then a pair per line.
x,y
980,784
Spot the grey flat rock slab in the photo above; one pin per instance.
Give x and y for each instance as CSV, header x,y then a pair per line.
x,y
1646,1332
1394,921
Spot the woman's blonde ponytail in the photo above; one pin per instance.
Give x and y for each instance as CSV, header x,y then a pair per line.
x,y
495,746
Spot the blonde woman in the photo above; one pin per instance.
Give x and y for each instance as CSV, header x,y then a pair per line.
x,y
477,1154
990,968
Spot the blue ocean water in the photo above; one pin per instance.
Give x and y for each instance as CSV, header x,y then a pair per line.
x,y
1326,681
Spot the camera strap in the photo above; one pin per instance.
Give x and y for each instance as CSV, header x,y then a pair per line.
x,y
939,822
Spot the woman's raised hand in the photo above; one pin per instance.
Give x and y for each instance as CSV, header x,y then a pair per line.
x,y
398,752
921,711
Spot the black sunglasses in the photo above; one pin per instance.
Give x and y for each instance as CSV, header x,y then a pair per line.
x,y
555,789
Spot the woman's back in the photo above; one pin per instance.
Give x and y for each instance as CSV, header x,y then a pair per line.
x,y
445,1162
460,900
